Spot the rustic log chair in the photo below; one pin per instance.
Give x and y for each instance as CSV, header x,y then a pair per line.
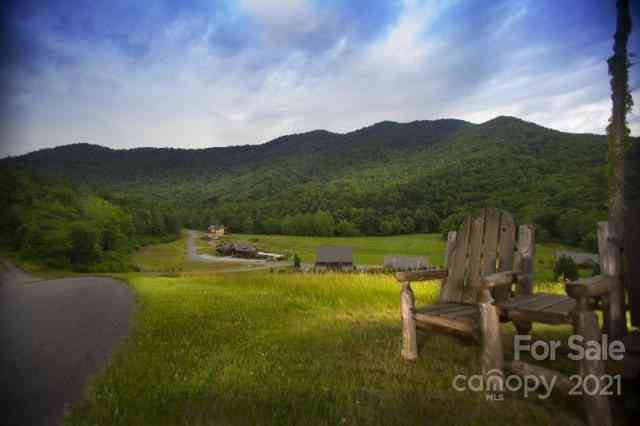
x,y
483,261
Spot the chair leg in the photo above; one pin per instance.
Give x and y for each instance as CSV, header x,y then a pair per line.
x,y
409,338
597,407
491,357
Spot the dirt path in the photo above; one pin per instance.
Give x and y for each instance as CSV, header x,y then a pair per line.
x,y
53,336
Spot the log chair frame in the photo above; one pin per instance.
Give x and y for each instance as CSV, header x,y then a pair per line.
x,y
497,285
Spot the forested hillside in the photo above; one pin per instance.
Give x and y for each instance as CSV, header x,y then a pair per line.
x,y
388,178
50,222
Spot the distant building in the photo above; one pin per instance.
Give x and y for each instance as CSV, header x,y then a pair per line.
x,y
335,258
215,231
405,263
580,259
237,249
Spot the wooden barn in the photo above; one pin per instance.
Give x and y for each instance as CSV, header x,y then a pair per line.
x,y
237,249
334,258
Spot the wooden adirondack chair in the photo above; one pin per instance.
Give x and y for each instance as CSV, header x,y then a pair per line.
x,y
483,261
483,246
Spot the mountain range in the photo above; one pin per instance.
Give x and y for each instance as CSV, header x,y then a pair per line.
x,y
386,178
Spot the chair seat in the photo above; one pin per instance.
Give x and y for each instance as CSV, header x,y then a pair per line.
x,y
540,307
460,318
458,311
547,308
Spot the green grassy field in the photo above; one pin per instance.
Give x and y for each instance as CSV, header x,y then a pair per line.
x,y
290,349
282,348
366,250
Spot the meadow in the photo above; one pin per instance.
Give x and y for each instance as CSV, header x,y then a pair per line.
x,y
290,349
255,348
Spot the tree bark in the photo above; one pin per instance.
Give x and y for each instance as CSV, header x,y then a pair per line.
x,y
617,130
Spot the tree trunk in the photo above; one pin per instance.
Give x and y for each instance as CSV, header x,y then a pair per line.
x,y
617,130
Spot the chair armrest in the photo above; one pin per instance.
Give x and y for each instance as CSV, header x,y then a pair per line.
x,y
498,279
426,275
590,287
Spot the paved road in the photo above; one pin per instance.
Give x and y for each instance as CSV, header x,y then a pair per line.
x,y
53,336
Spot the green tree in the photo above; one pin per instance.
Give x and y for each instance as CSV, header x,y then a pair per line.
x,y
113,238
85,245
322,224
248,226
171,224
157,223
344,228
271,226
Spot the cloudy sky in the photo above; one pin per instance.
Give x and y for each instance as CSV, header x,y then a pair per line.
x,y
196,73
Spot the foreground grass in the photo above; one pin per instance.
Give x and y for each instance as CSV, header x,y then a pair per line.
x,y
257,349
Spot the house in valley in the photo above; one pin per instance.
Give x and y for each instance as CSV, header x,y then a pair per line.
x,y
215,231
334,258
237,249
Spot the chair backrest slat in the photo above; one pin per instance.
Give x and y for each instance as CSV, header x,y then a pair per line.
x,y
506,251
483,245
474,259
454,286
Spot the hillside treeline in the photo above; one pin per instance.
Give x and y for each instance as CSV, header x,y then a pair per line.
x,y
52,223
385,179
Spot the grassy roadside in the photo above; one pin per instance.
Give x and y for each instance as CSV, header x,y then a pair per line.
x,y
37,269
290,349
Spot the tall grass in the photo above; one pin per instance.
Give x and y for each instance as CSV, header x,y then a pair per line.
x,y
289,349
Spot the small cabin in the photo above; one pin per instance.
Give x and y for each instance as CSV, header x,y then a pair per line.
x,y
237,249
216,231
334,258
405,263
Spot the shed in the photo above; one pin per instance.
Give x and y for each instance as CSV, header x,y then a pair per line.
x,y
338,258
405,263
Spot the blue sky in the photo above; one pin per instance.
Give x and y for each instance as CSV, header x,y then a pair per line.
x,y
197,73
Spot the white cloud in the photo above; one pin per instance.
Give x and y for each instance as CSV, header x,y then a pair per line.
x,y
185,93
